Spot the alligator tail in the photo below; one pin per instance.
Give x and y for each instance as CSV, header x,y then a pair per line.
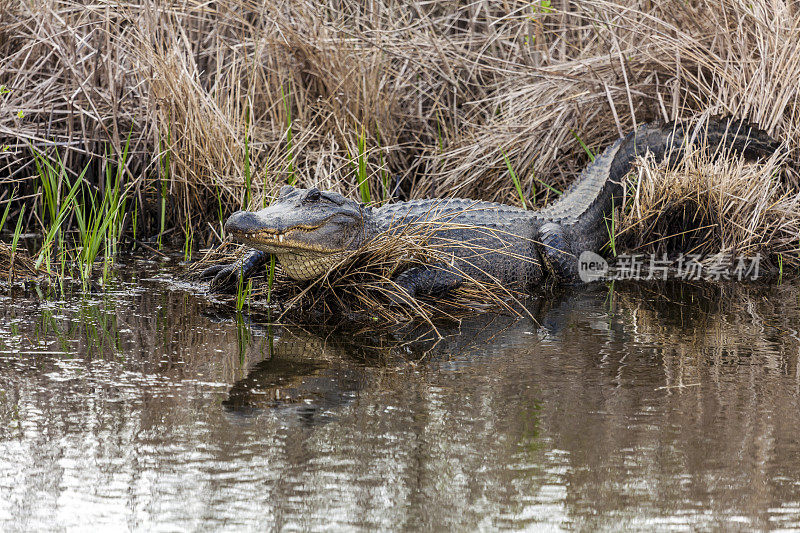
x,y
670,140
586,205
740,136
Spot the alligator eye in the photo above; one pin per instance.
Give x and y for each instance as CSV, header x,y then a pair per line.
x,y
313,195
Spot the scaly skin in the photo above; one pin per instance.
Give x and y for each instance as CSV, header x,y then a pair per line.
x,y
309,231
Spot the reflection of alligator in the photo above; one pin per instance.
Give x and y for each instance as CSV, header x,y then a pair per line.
x,y
310,231
307,386
306,373
312,372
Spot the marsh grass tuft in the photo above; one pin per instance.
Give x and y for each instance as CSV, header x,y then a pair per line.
x,y
708,205
53,176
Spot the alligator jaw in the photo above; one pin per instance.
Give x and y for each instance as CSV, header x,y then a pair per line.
x,y
300,260
275,242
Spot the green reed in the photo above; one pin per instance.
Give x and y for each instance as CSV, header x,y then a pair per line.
x,y
271,277
53,177
611,228
164,165
583,145
243,293
5,213
361,168
515,179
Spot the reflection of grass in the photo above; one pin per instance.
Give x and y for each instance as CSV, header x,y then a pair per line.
x,y
529,419
244,337
609,302
49,326
95,325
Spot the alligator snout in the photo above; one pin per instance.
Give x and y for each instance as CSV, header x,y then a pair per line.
x,y
243,222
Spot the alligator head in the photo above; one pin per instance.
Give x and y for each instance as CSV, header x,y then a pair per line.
x,y
308,230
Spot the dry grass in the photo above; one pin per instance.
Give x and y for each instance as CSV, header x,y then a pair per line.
x,y
438,90
707,206
16,265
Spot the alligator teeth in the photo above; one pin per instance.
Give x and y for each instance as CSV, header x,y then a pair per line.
x,y
280,238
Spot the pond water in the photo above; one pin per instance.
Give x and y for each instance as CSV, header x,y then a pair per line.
x,y
652,407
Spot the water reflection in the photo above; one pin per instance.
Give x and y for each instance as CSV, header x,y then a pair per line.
x,y
642,406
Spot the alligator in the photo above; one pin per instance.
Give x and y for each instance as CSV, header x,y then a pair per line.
x,y
310,231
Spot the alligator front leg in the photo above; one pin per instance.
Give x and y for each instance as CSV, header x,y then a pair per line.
x,y
423,280
225,278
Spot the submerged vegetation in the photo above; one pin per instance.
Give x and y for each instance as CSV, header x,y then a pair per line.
x,y
145,124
